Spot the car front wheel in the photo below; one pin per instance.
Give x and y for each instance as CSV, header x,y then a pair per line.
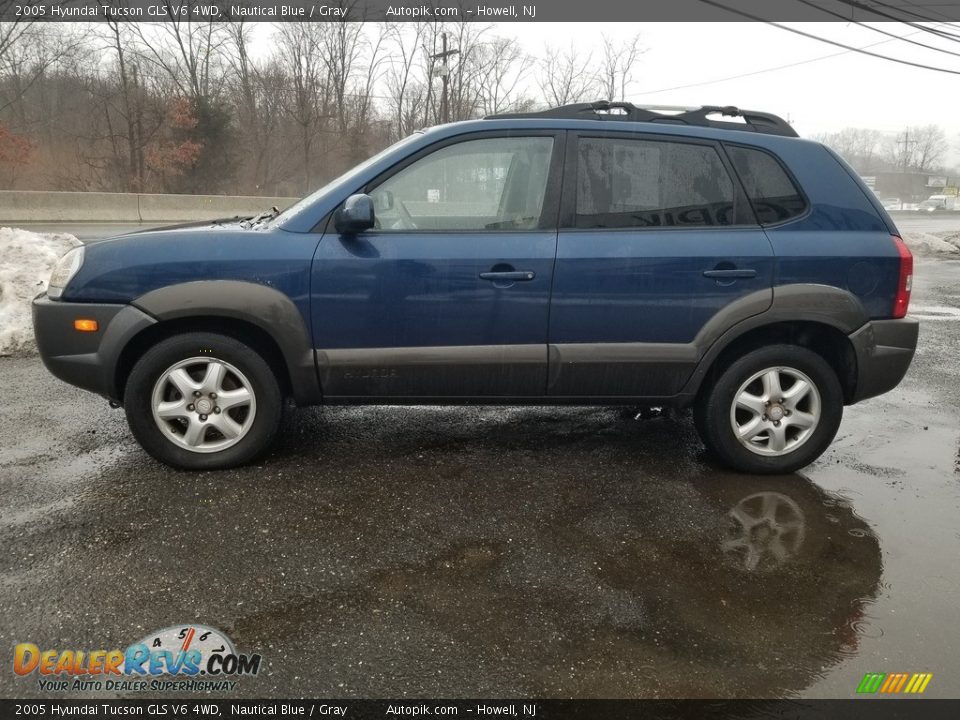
x,y
774,410
203,401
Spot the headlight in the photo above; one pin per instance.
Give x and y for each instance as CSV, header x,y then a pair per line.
x,y
64,271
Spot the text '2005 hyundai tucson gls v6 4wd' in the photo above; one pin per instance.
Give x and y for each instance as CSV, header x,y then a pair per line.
x,y
592,254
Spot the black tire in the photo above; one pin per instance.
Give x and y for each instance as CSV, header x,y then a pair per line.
x,y
263,385
712,411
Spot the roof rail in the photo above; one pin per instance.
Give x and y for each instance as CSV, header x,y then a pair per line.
x,y
628,112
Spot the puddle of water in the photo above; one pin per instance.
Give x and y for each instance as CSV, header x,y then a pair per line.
x,y
897,462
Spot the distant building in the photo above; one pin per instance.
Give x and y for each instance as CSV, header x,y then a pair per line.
x,y
910,186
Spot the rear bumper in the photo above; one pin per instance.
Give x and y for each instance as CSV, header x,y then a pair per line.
x,y
884,350
85,359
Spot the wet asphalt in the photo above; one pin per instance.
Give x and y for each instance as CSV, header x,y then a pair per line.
x,y
491,552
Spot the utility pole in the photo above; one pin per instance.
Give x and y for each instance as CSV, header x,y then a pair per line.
x,y
905,183
906,148
445,75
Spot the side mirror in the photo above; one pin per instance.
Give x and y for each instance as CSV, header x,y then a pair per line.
x,y
355,216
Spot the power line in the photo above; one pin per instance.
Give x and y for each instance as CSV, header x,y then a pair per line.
x,y
766,70
828,42
929,8
902,9
876,29
953,37
750,74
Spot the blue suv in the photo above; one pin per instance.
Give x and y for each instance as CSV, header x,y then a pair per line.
x,y
592,254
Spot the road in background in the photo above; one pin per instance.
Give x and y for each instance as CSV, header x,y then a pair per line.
x,y
927,222
86,232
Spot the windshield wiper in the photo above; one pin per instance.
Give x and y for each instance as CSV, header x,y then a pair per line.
x,y
257,219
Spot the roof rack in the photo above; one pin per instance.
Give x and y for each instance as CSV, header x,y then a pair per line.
x,y
628,112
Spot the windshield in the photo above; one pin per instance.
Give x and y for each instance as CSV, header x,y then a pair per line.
x,y
349,174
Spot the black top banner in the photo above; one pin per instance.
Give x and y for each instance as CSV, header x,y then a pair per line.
x,y
484,11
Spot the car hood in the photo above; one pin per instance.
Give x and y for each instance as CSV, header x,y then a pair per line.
x,y
232,224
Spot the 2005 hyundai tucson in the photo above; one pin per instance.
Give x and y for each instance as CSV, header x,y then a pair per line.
x,y
591,254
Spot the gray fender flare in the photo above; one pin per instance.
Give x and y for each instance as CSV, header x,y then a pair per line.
x,y
265,307
801,302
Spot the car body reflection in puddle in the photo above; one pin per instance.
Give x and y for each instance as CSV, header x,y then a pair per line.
x,y
766,530
628,579
758,595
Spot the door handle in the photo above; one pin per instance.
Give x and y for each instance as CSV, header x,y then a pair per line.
x,y
731,274
508,275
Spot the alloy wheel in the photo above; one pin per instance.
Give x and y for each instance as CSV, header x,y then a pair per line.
x,y
203,404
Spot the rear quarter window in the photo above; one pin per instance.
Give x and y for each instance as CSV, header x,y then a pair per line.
x,y
774,196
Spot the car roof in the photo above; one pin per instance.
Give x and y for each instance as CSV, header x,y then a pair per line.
x,y
745,136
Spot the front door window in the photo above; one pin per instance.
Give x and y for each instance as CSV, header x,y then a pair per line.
x,y
488,184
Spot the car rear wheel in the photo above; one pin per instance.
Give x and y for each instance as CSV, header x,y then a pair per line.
x,y
203,401
774,410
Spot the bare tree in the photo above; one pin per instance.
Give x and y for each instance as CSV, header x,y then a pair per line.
x,y
362,110
188,51
566,76
339,46
257,90
308,102
930,147
407,92
503,70
14,36
617,66
128,106
464,86
351,54
28,51
861,147
919,148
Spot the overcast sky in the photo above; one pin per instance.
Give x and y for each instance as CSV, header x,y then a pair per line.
x,y
699,64
827,94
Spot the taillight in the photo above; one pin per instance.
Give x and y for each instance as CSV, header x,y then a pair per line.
x,y
905,281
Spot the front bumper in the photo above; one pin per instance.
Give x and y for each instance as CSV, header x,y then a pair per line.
x,y
884,350
86,359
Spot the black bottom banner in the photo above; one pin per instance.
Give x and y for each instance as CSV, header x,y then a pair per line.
x,y
869,709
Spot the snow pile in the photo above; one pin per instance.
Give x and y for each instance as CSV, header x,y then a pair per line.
x,y
920,242
952,237
26,259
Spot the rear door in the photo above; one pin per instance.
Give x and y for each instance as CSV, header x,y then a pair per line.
x,y
658,251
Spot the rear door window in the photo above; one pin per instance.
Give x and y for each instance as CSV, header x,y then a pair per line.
x,y
772,193
624,182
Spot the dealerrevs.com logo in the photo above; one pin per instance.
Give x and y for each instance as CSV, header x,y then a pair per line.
x,y
190,658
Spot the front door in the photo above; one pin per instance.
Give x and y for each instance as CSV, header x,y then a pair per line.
x,y
658,246
448,295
